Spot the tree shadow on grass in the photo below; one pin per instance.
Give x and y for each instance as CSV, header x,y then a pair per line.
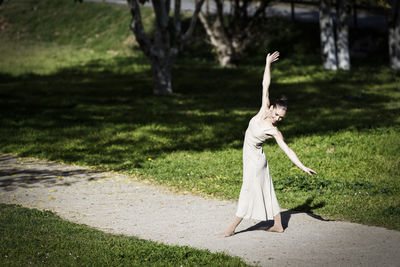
x,y
113,116
306,207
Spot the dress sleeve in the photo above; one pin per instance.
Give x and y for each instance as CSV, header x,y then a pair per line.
x,y
271,131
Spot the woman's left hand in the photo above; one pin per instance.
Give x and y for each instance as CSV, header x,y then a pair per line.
x,y
272,57
309,171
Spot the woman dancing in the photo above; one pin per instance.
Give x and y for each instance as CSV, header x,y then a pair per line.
x,y
257,198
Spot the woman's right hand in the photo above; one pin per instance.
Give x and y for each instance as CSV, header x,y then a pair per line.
x,y
309,171
272,57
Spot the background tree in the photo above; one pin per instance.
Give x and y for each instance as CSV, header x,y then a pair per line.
x,y
166,41
328,49
233,33
394,34
342,33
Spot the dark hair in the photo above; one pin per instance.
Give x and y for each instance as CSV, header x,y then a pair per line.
x,y
282,102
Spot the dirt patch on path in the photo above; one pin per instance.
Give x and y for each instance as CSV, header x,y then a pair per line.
x,y
115,203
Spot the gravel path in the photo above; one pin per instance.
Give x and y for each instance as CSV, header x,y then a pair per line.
x,y
116,203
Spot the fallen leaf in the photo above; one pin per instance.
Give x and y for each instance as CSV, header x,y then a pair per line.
x,y
330,150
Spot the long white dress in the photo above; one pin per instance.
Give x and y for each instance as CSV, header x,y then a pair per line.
x,y
257,198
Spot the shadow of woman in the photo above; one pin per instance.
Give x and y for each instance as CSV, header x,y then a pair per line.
x,y
306,207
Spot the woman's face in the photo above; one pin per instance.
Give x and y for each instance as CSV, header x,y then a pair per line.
x,y
277,114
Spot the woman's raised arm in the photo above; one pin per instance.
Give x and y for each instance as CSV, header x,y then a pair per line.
x,y
267,78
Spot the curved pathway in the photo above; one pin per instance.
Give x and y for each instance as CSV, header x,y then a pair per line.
x,y
117,204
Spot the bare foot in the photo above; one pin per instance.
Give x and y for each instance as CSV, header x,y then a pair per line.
x,y
275,229
227,233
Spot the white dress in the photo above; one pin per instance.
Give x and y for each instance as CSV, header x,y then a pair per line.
x,y
257,198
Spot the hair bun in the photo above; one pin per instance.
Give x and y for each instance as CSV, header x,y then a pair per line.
x,y
282,102
283,98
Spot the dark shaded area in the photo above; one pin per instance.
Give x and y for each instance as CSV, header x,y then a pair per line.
x,y
75,103
305,207
13,174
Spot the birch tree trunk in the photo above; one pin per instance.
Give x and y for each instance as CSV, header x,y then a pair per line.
x,y
394,35
342,33
328,49
161,59
231,35
220,40
162,69
161,48
161,55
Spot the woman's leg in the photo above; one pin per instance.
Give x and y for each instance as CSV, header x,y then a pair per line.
x,y
231,229
277,227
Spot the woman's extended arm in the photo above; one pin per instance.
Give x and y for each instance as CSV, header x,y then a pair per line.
x,y
290,153
267,78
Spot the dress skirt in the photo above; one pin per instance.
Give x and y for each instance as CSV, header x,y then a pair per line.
x,y
257,198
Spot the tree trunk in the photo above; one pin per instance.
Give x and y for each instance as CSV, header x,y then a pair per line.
x,y
328,49
231,40
161,55
161,68
292,10
161,48
394,35
219,40
342,33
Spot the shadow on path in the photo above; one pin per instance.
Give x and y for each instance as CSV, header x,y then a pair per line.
x,y
32,173
306,207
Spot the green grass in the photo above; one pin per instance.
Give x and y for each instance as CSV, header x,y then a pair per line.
x,y
96,109
50,35
40,238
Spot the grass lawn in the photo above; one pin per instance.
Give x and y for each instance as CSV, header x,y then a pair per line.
x,y
73,90
40,238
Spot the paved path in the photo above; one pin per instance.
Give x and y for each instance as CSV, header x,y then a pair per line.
x,y
117,204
